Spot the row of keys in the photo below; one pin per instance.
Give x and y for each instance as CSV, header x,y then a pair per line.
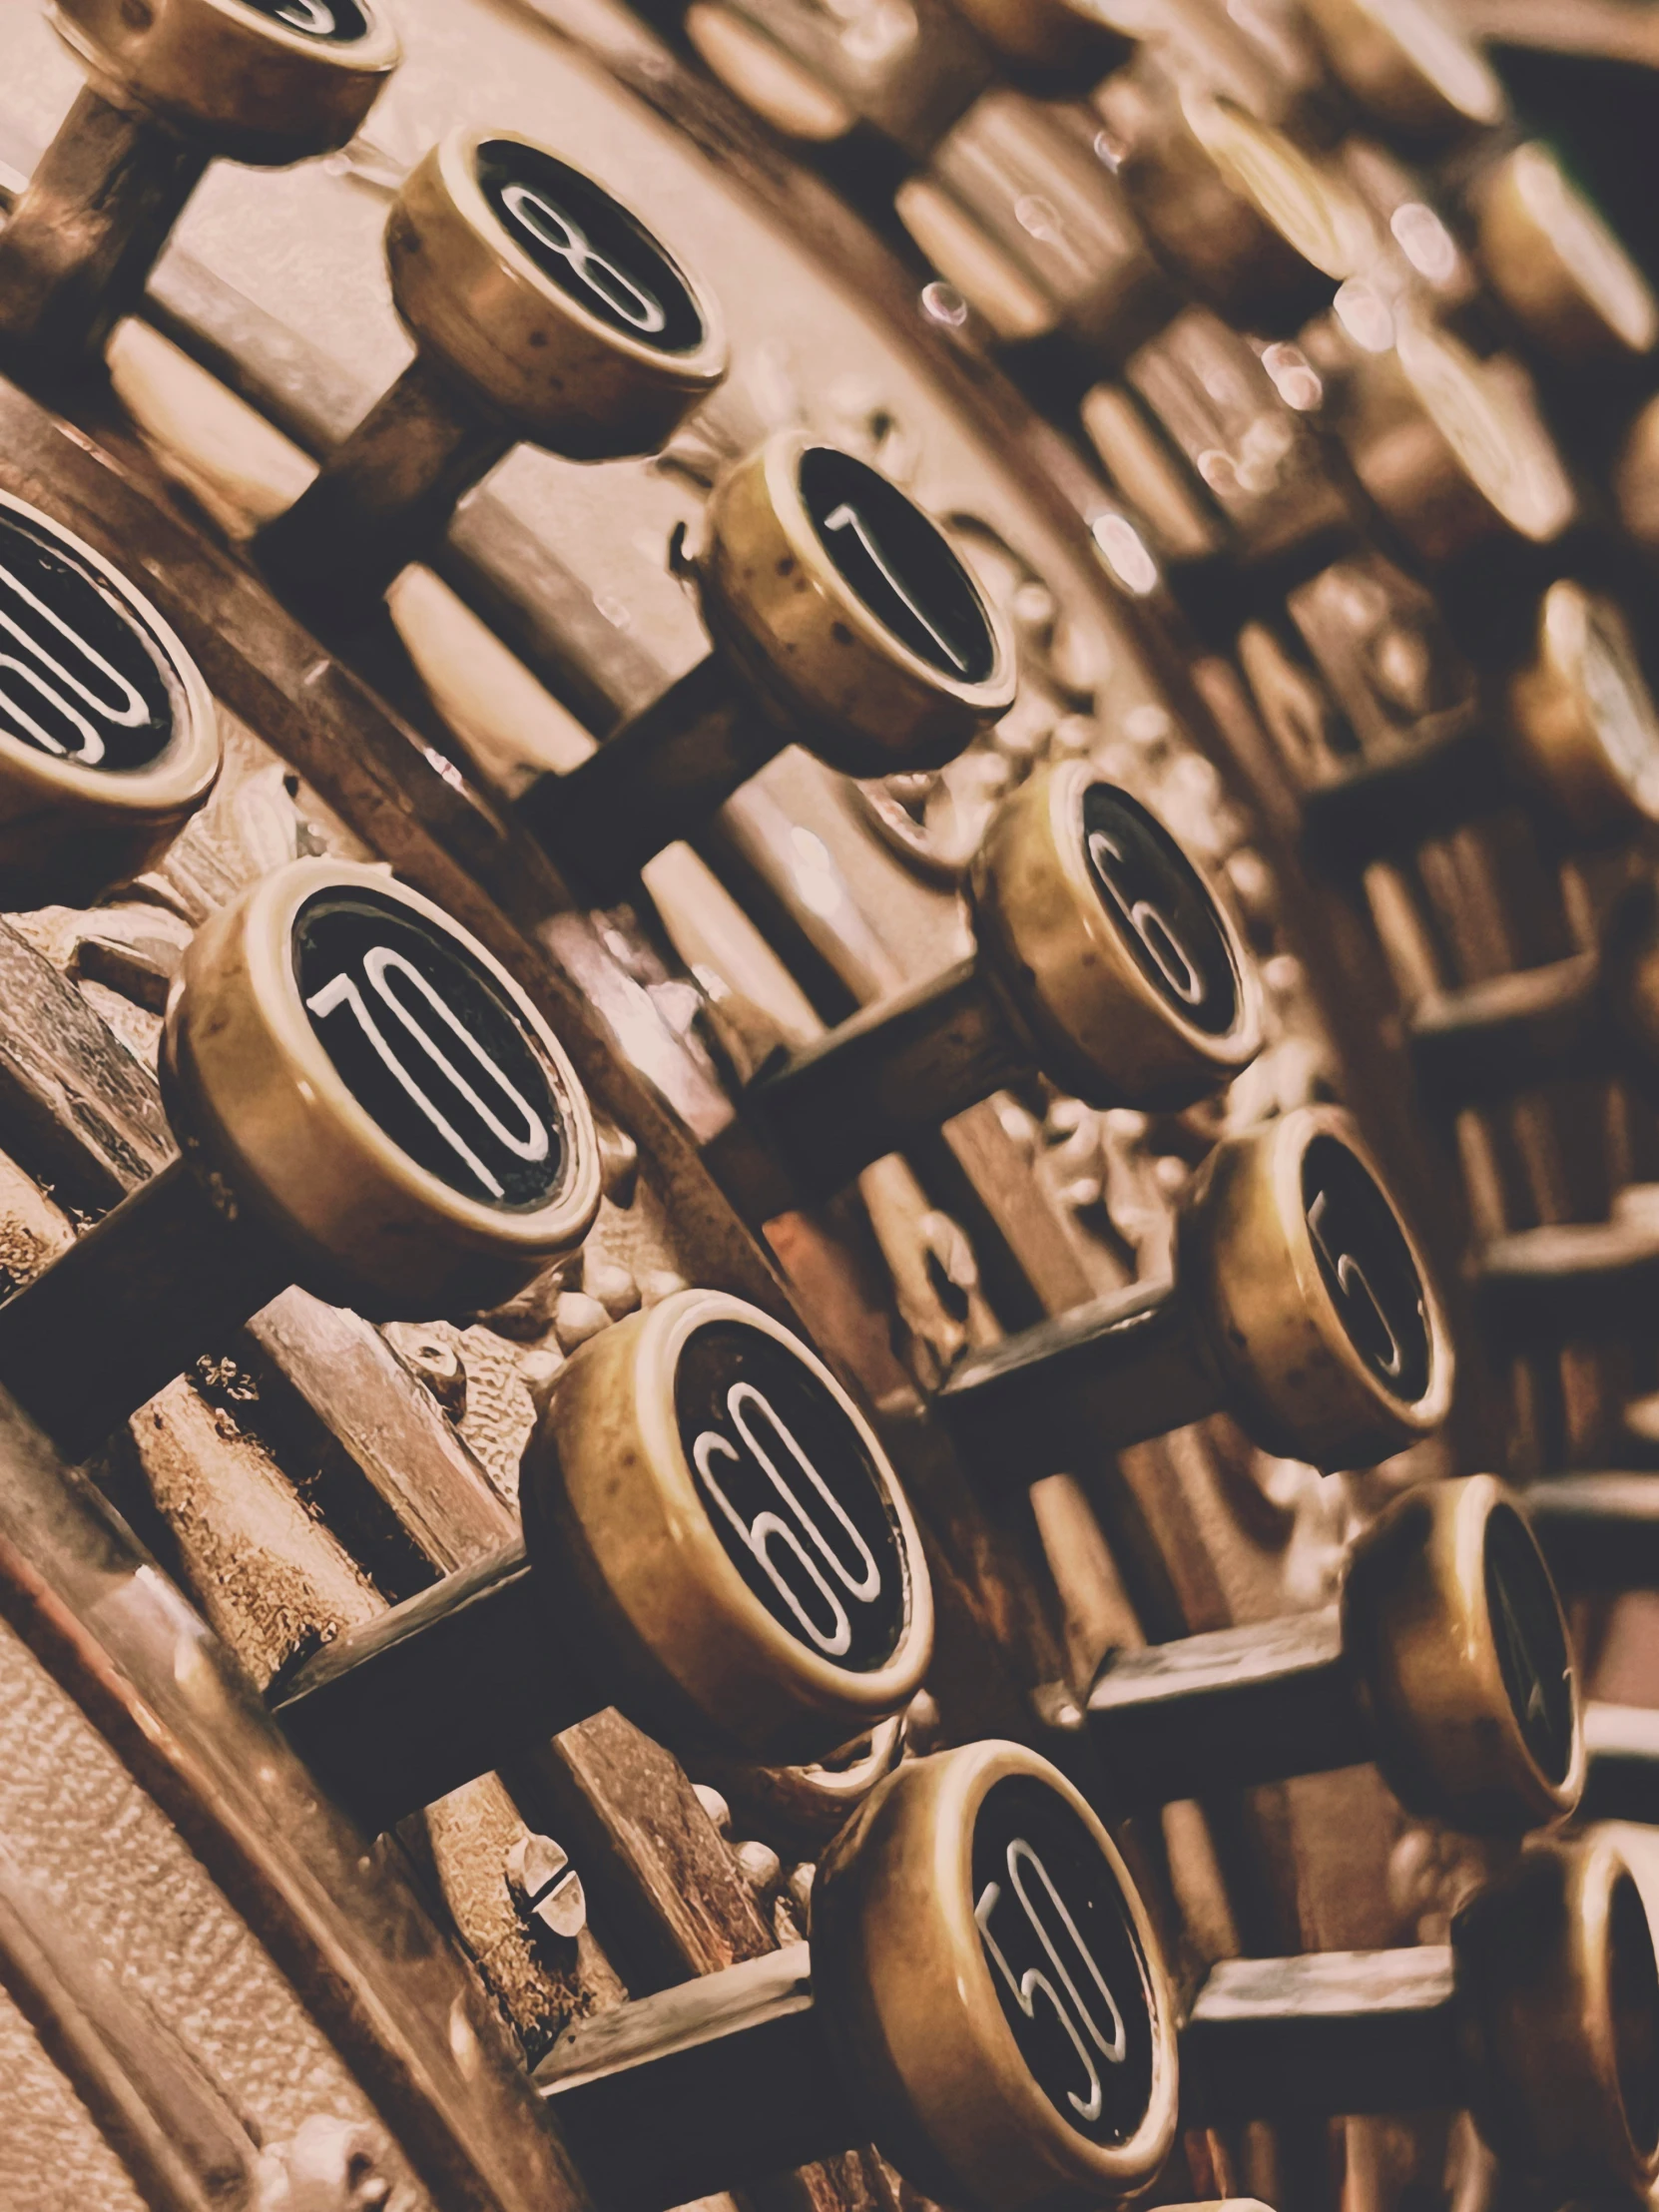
x,y
831,1557
379,1111
1204,184
1291,1226
542,308
369,1102
841,617
112,740
985,1995
731,1384
714,1541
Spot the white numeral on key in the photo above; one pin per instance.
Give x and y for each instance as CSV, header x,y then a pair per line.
x,y
563,236
846,517
1355,1282
308,15
378,965
1168,954
767,1530
1073,2010
126,711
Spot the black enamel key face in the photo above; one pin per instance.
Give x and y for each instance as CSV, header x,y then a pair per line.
x,y
1064,1958
590,247
336,22
1161,908
1531,1649
431,1047
1635,2008
794,1494
899,563
1367,1267
81,679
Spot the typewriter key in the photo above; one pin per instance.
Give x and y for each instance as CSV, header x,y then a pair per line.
x,y
1556,262
366,1103
1103,958
983,1994
713,1541
841,618
1447,1662
109,739
170,86
1258,229
1542,2017
1300,1306
1579,749
1451,448
541,309
1411,65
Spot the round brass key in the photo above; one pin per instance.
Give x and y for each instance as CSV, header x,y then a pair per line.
x,y
1448,1663
1299,1305
1451,448
843,619
1542,2017
983,1994
1552,257
1585,725
1410,64
1229,473
1103,958
541,309
1579,747
109,739
713,1541
172,85
1256,227
366,1103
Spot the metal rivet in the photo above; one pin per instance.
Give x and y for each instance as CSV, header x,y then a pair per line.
x,y
760,1865
714,1805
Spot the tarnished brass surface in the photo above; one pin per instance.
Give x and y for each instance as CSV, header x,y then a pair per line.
x,y
618,1514
1384,537
1466,1657
247,84
265,1115
897,1949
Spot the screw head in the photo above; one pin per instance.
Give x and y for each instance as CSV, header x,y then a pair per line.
x,y
546,1888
